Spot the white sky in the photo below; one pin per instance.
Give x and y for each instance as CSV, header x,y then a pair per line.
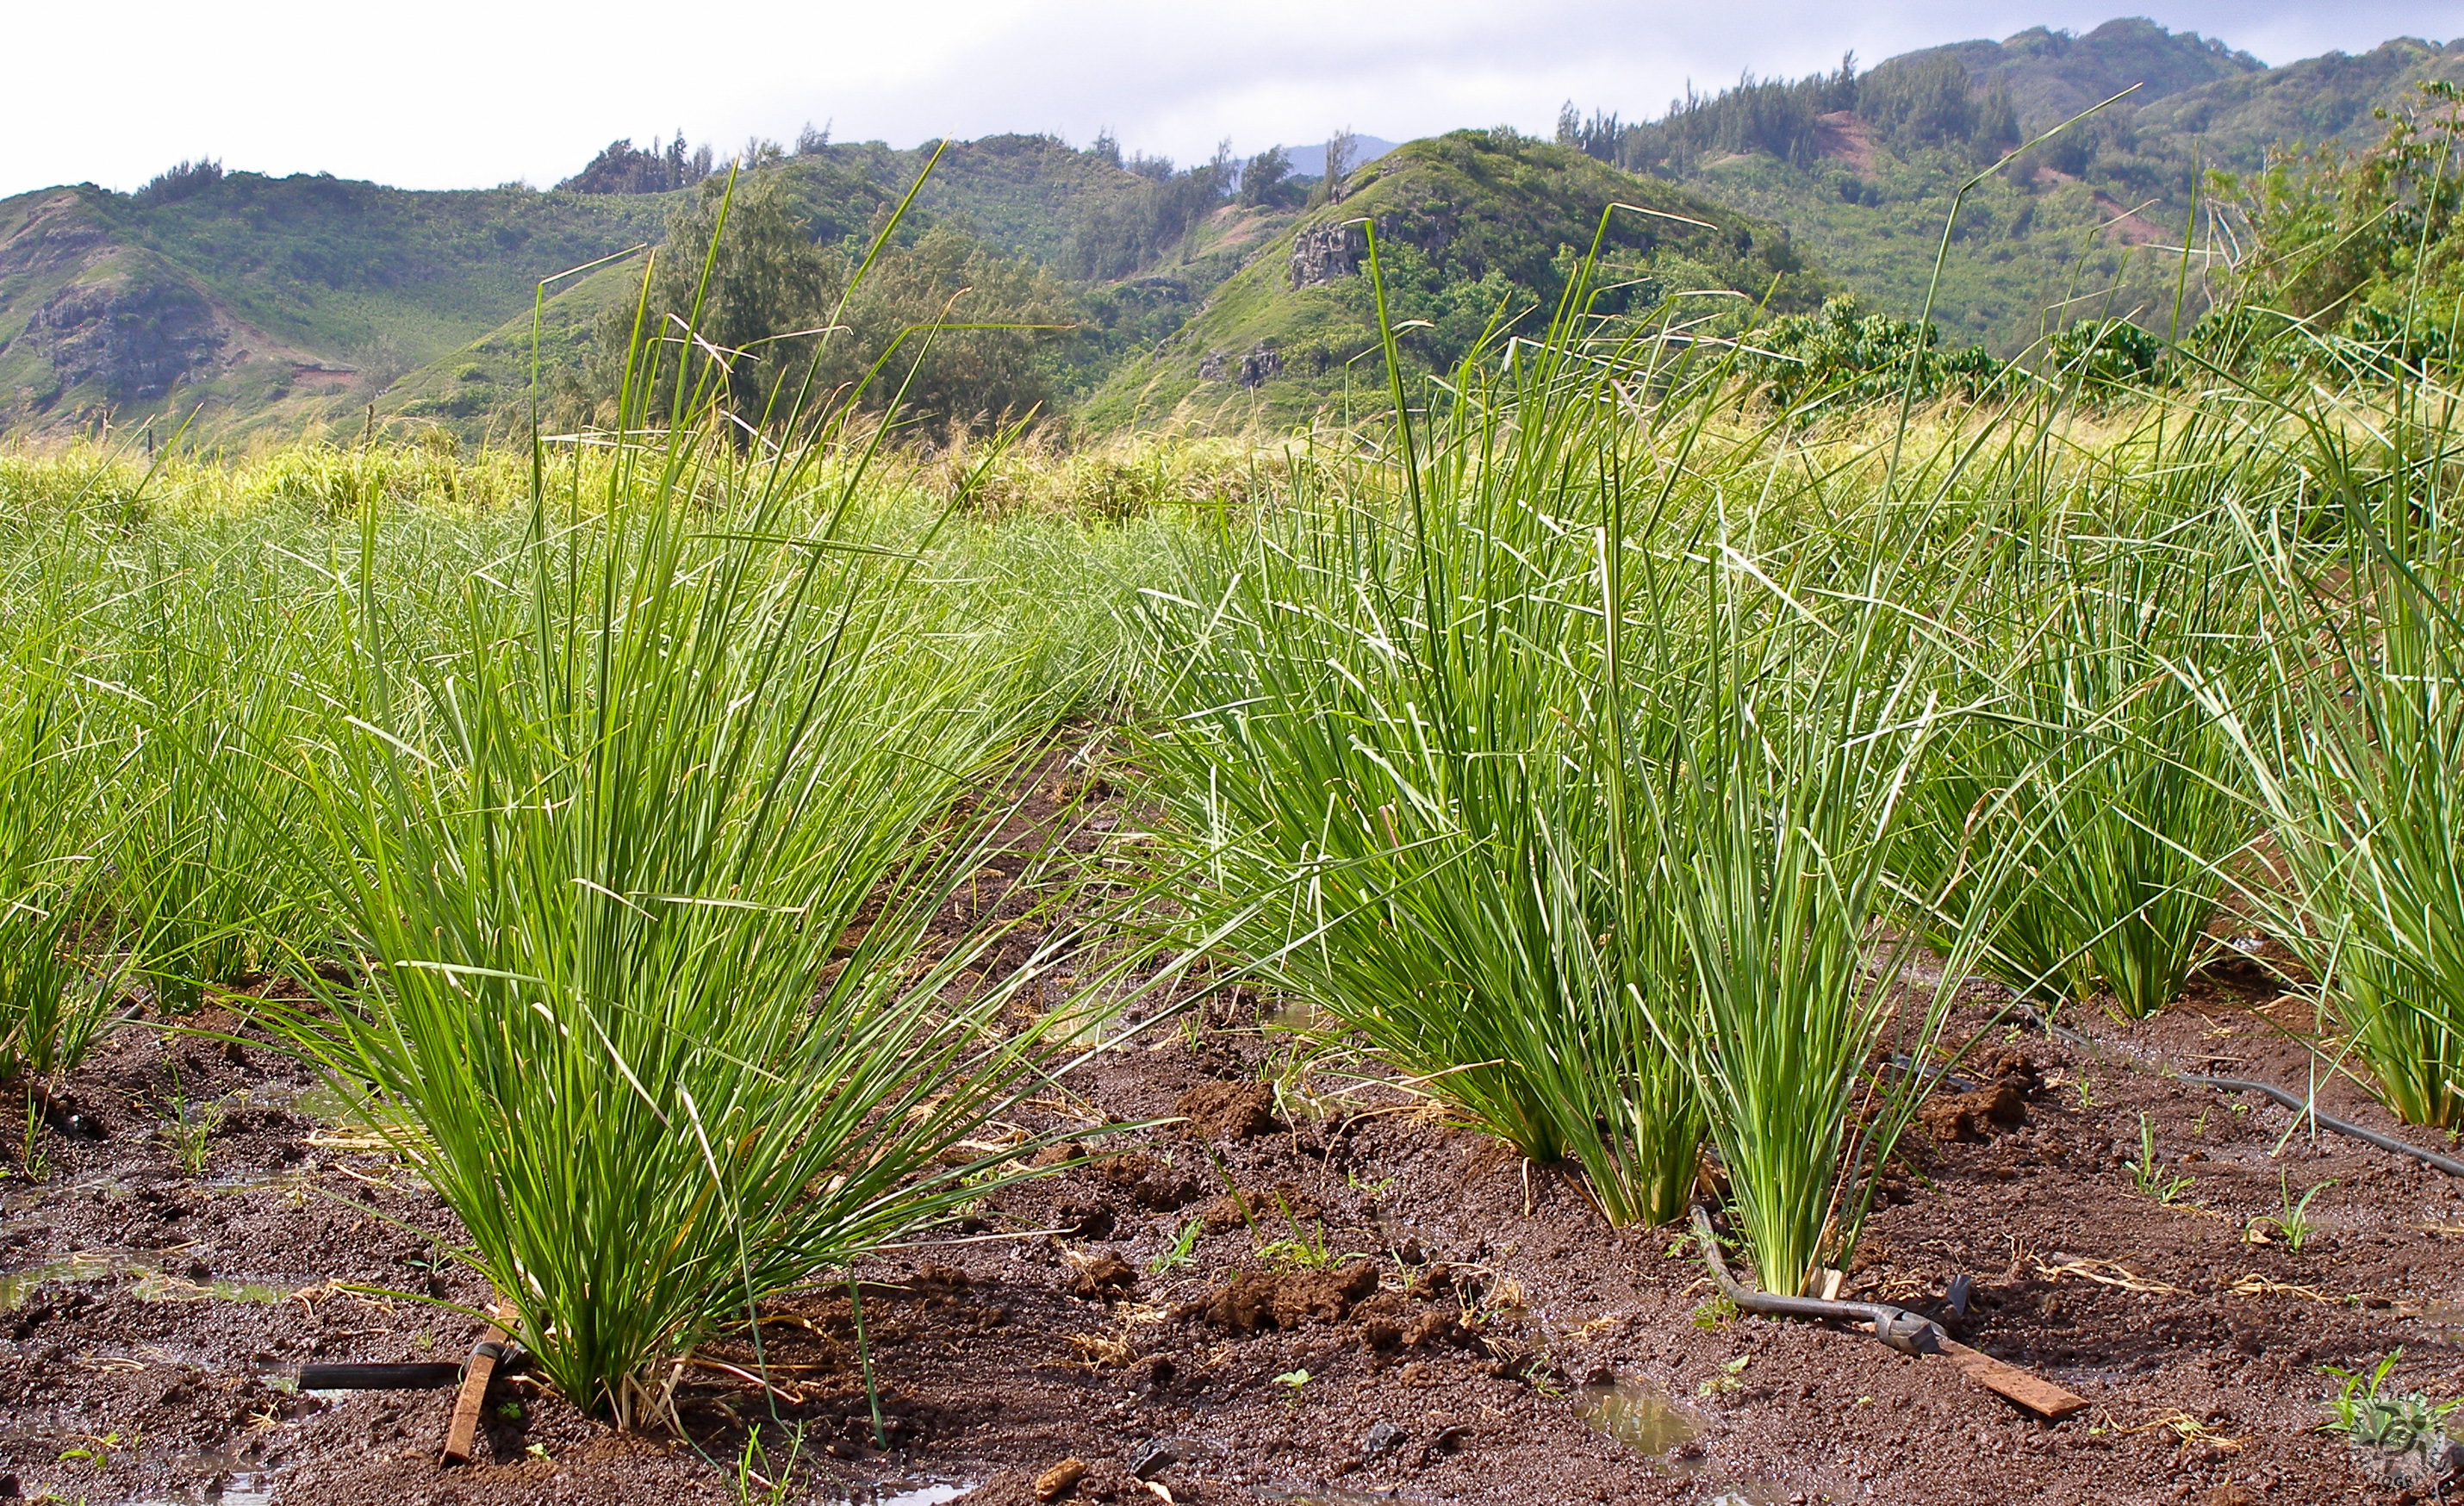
x,y
457,92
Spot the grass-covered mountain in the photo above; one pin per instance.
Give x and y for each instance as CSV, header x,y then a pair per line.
x,y
1863,167
264,301
1477,231
250,304
272,306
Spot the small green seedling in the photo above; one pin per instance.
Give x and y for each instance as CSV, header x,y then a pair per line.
x,y
190,1129
1179,1255
2371,1416
2293,1224
753,1471
2149,1175
1291,1380
1305,1248
1366,1189
98,1449
1725,1381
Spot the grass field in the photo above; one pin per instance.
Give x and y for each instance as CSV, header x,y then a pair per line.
x,y
1640,775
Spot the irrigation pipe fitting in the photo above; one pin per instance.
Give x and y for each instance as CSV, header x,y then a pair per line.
x,y
1909,1332
2307,1108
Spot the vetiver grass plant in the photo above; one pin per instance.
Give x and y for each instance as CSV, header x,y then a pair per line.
x,y
1396,729
214,678
2355,742
603,853
642,862
2123,795
57,988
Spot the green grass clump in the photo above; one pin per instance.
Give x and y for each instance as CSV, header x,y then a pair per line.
x,y
2354,740
53,999
2086,752
1393,720
603,851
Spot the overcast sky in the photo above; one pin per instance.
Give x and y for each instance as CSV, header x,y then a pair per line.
x,y
458,94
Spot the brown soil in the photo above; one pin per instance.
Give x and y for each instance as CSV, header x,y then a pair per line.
x,y
1845,136
1435,1322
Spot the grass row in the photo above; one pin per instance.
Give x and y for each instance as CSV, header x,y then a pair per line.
x,y
1641,780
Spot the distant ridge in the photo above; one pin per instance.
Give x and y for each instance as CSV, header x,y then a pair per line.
x,y
1309,162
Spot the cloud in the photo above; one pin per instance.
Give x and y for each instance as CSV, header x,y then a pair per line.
x,y
461,94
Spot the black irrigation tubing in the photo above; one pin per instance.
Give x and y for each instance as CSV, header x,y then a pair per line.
x,y
2306,1108
424,1377
1909,1332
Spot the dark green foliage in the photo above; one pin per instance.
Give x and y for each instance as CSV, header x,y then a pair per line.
x,y
622,167
2106,355
774,291
1920,100
1263,178
1771,116
1846,354
180,180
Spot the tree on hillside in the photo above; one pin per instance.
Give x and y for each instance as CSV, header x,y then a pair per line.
x,y
1263,178
1117,236
782,319
1342,155
180,181
622,167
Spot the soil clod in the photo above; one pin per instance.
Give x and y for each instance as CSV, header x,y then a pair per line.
x,y
1232,1111
1105,1278
1253,1300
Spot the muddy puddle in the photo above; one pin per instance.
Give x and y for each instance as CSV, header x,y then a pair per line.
x,y
908,1493
1651,1423
148,1281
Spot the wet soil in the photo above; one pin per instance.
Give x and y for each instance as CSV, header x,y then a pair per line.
x,y
1298,1295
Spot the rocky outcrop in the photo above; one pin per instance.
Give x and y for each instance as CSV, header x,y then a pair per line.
x,y
1254,370
135,338
56,234
1324,252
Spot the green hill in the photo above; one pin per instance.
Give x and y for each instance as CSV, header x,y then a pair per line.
x,y
1862,167
288,306
281,306
266,302
1472,227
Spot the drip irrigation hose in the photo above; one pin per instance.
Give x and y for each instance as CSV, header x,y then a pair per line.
x,y
1903,1330
2306,1108
424,1377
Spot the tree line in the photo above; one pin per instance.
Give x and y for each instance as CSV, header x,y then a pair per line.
x,y
1923,101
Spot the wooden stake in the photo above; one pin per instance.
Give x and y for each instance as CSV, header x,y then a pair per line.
x,y
2032,1391
462,1432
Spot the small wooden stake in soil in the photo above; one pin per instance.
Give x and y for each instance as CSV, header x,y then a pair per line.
x,y
464,1428
2034,1392
1061,1479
